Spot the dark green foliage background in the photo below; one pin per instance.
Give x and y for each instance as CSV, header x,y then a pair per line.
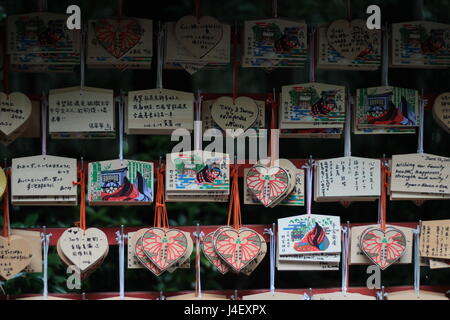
x,y
220,81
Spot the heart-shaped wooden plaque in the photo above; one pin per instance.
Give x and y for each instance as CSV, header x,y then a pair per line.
x,y
441,111
164,247
237,247
248,269
198,36
211,254
349,38
15,255
238,114
383,247
15,110
118,36
84,248
268,184
144,260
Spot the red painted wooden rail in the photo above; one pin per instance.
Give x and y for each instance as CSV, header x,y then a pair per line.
x,y
111,231
111,234
227,293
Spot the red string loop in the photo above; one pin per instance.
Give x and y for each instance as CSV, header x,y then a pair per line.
x,y
161,219
82,183
234,209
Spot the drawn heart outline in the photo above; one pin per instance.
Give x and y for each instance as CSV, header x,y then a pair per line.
x,y
342,35
383,247
118,35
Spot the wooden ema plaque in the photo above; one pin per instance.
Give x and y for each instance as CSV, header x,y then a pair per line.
x,y
420,176
197,173
2,182
386,110
15,112
312,110
295,198
358,257
274,43
344,45
120,42
34,240
41,42
43,180
120,182
81,113
31,128
441,111
16,254
309,242
435,239
347,179
181,53
159,111
420,44
85,249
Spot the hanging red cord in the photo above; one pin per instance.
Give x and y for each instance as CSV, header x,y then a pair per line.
x,y
82,183
161,219
234,209
384,185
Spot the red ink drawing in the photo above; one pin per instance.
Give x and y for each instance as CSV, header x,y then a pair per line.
x,y
118,36
164,248
383,247
237,247
144,260
210,253
267,184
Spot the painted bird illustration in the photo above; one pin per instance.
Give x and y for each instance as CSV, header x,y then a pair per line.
x,y
314,240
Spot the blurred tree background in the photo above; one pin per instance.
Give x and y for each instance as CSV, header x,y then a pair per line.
x,y
220,81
